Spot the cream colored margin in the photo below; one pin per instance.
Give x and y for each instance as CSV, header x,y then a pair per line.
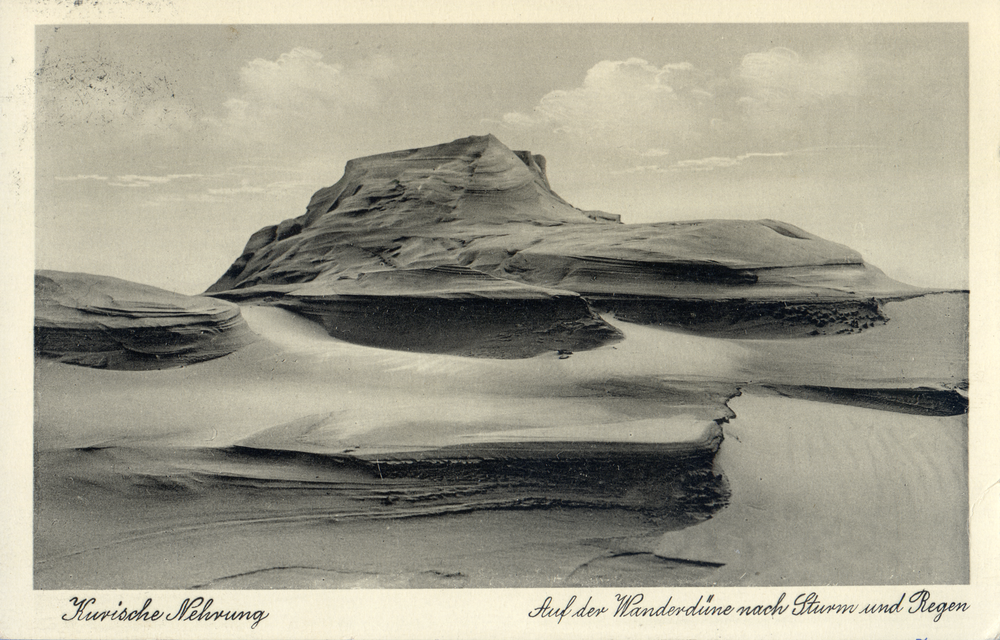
x,y
484,613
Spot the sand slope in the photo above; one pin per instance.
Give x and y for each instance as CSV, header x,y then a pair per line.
x,y
105,322
304,461
844,495
464,248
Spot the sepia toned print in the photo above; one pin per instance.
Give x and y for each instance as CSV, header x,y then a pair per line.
x,y
631,306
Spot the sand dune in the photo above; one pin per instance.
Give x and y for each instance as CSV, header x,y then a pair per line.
x,y
842,495
304,461
464,248
295,371
103,322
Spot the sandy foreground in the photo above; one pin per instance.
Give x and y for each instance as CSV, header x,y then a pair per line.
x,y
290,464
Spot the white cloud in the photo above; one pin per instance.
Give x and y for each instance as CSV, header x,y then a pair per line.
x,y
706,164
189,187
716,162
628,104
229,191
645,168
302,75
783,92
276,188
81,177
774,99
712,162
147,181
138,181
300,97
782,75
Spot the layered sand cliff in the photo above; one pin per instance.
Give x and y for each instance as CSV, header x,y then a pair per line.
x,y
104,322
466,245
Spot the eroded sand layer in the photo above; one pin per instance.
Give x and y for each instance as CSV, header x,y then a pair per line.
x,y
108,323
463,248
229,519
245,472
812,494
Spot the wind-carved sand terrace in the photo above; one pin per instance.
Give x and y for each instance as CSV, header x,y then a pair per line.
x,y
443,374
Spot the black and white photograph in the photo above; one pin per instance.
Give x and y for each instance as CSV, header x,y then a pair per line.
x,y
585,308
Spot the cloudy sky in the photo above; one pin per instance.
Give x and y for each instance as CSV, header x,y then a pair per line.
x,y
160,149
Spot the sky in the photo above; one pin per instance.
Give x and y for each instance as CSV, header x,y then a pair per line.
x,y
161,149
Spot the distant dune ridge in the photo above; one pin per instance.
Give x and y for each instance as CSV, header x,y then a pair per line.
x,y
104,322
464,248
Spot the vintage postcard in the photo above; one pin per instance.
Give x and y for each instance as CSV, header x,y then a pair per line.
x,y
518,323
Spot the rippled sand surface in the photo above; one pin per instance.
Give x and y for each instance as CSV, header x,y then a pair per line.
x,y
305,462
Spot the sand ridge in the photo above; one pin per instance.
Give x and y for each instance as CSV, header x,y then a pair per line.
x,y
797,491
